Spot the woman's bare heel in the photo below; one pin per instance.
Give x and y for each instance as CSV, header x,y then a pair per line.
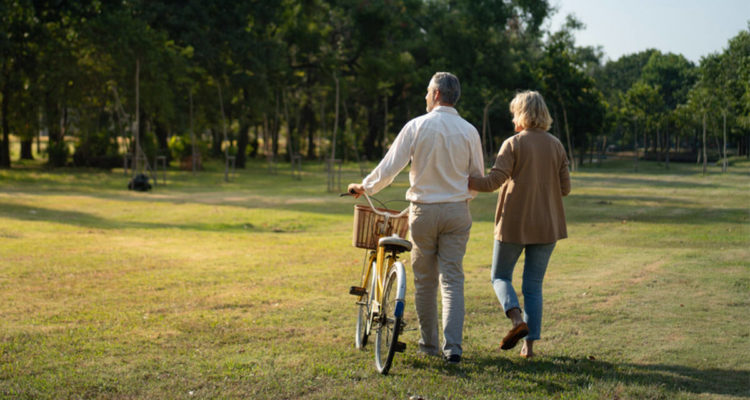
x,y
527,351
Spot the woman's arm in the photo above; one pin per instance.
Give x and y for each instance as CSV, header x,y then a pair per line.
x,y
499,173
564,174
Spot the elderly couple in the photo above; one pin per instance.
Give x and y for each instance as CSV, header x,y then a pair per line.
x,y
446,172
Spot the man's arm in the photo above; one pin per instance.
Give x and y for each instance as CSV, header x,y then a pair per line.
x,y
395,160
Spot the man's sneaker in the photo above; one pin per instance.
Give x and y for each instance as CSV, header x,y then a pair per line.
x,y
452,359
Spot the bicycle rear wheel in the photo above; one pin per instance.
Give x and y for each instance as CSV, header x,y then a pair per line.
x,y
389,325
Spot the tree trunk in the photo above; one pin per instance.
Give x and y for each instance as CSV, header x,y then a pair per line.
x,y
193,159
571,153
581,155
224,132
308,118
724,162
243,139
335,120
486,129
635,145
215,142
274,129
289,129
5,143
705,158
322,132
255,142
162,137
372,133
668,140
137,150
267,148
658,147
27,147
385,123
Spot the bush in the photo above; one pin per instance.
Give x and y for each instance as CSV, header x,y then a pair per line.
x,y
182,150
179,147
97,150
57,153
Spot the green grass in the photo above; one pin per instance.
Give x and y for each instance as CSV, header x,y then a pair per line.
x,y
208,289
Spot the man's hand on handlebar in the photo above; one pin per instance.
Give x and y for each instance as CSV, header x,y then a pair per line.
x,y
355,189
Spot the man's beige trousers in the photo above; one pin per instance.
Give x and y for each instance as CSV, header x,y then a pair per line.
x,y
439,233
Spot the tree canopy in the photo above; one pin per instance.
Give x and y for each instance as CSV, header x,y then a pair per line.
x,y
280,79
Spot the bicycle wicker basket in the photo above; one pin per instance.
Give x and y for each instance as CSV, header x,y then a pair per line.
x,y
367,226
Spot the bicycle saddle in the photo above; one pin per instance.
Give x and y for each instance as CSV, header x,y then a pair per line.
x,y
395,243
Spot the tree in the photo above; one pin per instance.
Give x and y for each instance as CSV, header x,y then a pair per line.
x,y
571,93
643,104
732,79
19,33
672,76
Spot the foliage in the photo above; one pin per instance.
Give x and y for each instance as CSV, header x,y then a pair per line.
x,y
179,147
97,149
576,103
266,73
57,154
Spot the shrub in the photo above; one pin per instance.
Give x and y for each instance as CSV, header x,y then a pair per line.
x,y
57,153
97,150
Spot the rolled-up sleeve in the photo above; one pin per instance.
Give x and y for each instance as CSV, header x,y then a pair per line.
x,y
395,160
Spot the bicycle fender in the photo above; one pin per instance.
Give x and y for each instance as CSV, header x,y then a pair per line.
x,y
401,288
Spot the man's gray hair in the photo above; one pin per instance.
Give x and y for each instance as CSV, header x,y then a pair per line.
x,y
448,85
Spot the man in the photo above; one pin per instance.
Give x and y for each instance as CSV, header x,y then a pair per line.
x,y
444,150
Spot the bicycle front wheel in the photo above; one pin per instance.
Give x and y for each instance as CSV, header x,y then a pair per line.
x,y
389,325
364,316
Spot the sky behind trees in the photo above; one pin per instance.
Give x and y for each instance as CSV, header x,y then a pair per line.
x,y
693,28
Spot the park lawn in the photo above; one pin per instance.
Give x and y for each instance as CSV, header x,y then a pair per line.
x,y
211,289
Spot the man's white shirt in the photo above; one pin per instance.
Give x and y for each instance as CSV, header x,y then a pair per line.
x,y
444,150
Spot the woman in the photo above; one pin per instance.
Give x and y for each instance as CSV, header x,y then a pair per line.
x,y
532,170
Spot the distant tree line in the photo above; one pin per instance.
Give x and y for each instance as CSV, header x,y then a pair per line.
x,y
337,79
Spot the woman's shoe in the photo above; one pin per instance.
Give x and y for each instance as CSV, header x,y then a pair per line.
x,y
514,335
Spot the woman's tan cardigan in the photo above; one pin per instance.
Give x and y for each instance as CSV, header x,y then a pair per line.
x,y
532,169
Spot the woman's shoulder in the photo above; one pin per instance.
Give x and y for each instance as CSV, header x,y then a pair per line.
x,y
547,136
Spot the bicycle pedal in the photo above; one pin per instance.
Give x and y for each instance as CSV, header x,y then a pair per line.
x,y
357,291
400,347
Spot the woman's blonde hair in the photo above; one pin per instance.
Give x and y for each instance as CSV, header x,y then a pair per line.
x,y
529,111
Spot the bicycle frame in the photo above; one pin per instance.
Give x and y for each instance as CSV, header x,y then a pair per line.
x,y
383,263
382,291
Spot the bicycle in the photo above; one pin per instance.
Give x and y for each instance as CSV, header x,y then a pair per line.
x,y
380,296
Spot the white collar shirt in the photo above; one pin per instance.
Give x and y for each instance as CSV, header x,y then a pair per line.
x,y
444,150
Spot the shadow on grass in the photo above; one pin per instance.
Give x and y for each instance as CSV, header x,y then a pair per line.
x,y
648,209
645,209
255,188
252,189
81,219
556,375
622,180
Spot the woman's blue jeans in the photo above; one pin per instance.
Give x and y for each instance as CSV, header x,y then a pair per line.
x,y
504,260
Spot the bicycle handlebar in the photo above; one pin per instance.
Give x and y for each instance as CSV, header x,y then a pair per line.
x,y
375,210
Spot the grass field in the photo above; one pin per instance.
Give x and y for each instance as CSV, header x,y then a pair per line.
x,y
205,289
